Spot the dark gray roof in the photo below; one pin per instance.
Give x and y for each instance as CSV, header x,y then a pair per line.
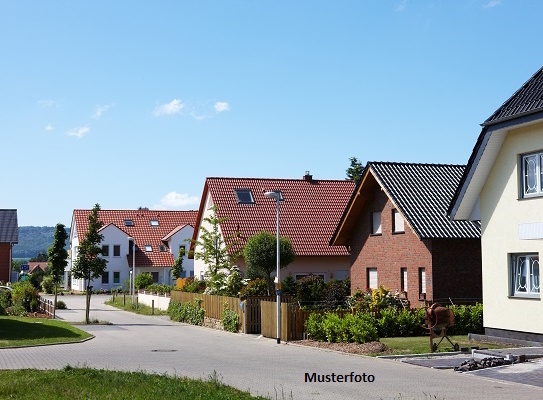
x,y
423,192
9,230
528,99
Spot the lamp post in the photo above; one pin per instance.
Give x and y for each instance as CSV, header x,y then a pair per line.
x,y
277,196
133,272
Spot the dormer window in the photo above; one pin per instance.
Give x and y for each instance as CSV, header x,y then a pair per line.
x,y
148,248
244,196
153,222
162,248
128,222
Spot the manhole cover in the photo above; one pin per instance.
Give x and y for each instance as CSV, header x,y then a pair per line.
x,y
163,351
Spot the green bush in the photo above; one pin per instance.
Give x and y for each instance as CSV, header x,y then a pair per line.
x,y
5,301
288,286
362,328
387,324
159,288
60,305
310,289
333,328
17,311
467,319
230,320
256,287
313,327
194,286
47,284
336,293
191,313
143,280
24,294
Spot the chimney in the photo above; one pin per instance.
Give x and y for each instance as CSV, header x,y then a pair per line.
x,y
308,177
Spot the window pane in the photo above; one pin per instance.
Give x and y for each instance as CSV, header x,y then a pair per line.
x,y
376,222
116,250
105,250
105,278
520,274
116,277
422,280
398,222
534,274
404,279
530,174
372,278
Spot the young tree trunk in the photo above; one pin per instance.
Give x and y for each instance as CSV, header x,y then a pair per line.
x,y
55,303
87,310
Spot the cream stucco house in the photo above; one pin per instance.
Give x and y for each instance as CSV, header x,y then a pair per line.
x,y
503,188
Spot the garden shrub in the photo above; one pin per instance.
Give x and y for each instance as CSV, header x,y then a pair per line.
x,y
24,294
194,285
230,320
17,311
47,284
5,301
362,328
313,327
332,326
159,288
255,287
310,289
143,280
387,324
60,305
191,313
288,286
336,293
467,319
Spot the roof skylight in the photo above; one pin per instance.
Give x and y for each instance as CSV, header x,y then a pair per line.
x,y
128,222
153,222
244,196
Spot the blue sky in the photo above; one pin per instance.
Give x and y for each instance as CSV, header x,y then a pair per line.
x,y
135,103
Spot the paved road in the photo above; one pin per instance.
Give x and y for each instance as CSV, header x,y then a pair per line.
x,y
158,345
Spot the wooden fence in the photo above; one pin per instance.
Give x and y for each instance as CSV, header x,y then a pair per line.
x,y
213,305
47,306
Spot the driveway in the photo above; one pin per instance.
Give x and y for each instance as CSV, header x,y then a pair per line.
x,y
248,362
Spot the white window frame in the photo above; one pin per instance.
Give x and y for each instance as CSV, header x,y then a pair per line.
x,y
532,166
369,276
118,281
422,282
524,275
398,222
403,279
376,223
148,248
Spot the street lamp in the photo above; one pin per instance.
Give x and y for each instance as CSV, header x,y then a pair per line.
x,y
277,196
133,272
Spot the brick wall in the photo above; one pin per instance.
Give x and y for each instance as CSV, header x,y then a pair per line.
x,y
388,252
457,263
5,258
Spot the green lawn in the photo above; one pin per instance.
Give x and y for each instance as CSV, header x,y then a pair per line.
x,y
86,383
126,304
25,331
421,344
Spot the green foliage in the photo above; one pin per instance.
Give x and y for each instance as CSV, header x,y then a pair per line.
x,y
5,301
255,287
260,255
313,327
159,288
60,305
191,313
58,259
25,295
36,278
143,280
230,320
47,284
355,170
89,265
359,328
310,289
288,286
467,319
177,269
33,240
218,255
336,293
234,282
42,256
193,285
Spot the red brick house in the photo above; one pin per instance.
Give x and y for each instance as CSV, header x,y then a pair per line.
x,y
9,235
309,212
399,236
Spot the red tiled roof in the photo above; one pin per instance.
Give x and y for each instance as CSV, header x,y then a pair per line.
x,y
33,265
142,231
309,213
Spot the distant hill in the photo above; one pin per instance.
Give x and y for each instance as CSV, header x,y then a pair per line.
x,y
34,240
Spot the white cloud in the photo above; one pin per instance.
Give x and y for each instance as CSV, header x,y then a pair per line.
x,y
492,3
175,200
401,6
101,110
79,132
221,106
46,103
173,107
49,128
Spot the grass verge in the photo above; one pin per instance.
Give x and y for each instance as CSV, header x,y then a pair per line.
x,y
87,383
127,305
25,331
421,344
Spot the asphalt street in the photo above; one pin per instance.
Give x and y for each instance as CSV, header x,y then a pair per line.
x,y
248,362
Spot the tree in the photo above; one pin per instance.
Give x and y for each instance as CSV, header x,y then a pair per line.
x,y
89,265
42,256
57,257
355,171
177,269
218,255
261,255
